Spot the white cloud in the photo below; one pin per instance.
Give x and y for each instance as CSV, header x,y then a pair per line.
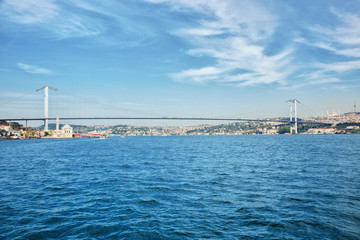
x,y
48,16
325,74
201,75
233,34
310,81
346,87
344,39
241,68
111,22
199,32
76,26
344,50
29,11
33,69
340,67
244,18
347,33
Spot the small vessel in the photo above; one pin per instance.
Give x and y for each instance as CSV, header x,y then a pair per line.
x,y
90,135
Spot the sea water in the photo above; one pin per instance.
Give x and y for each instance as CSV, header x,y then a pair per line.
x,y
181,187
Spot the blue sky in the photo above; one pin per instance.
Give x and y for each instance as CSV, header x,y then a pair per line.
x,y
209,58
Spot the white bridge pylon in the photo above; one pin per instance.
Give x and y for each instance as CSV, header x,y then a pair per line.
x,y
293,110
46,104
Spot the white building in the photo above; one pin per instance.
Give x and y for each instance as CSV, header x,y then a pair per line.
x,y
352,127
66,131
321,131
270,131
5,127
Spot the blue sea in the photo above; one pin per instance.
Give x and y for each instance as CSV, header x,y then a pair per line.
x,y
181,187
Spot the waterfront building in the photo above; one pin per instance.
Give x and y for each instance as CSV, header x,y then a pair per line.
x,y
321,131
270,131
66,131
352,127
5,127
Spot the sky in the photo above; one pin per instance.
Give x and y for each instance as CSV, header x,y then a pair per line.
x,y
179,58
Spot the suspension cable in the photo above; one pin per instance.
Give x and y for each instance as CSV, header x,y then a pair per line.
x,y
309,110
108,105
16,98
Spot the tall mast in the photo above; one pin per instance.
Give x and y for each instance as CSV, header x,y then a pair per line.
x,y
354,106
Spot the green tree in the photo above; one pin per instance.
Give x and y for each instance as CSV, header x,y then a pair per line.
x,y
284,129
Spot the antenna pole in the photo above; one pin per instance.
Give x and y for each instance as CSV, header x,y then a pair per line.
x,y
354,106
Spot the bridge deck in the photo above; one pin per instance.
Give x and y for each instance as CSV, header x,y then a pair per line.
x,y
161,118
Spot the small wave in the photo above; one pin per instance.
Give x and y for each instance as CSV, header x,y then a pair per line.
x,y
126,166
151,202
55,189
161,189
54,220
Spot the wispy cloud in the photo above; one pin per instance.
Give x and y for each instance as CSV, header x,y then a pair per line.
x,y
29,11
33,69
340,67
310,80
348,32
50,16
325,74
344,50
233,33
343,39
109,21
346,87
235,37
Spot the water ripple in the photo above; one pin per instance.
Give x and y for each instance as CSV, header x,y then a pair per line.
x,y
217,187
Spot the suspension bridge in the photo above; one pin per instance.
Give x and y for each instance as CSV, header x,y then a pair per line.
x,y
292,120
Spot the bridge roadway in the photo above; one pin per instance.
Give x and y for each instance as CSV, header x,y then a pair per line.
x,y
160,118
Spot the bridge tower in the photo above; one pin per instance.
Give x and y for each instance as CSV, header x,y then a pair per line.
x,y
46,104
293,123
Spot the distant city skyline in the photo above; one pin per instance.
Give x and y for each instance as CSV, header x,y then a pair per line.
x,y
179,58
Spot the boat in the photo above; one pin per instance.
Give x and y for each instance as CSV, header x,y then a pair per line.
x,y
90,135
